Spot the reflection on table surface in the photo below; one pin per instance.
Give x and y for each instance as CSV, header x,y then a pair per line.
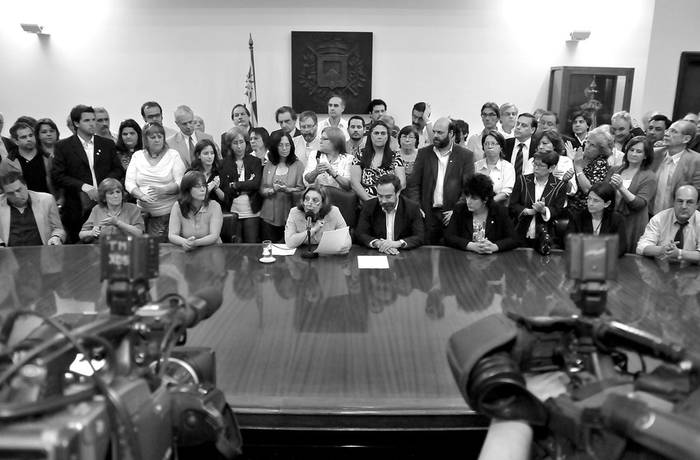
x,y
321,336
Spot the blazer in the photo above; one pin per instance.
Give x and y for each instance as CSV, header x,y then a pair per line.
x,y
408,223
554,197
420,188
498,228
179,142
636,212
45,213
510,146
611,224
71,168
233,187
687,170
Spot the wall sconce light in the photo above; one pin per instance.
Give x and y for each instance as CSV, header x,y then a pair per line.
x,y
35,29
578,35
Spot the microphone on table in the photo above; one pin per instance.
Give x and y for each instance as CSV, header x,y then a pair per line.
x,y
309,254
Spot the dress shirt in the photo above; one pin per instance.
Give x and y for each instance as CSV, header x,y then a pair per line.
x,y
443,159
539,189
505,134
664,194
502,174
342,124
527,166
423,138
89,148
390,216
662,228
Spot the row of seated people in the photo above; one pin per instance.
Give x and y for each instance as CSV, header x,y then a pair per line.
x,y
260,196
390,222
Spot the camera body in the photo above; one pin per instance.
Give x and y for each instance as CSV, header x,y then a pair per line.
x,y
116,385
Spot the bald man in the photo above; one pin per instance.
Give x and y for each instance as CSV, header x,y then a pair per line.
x,y
438,177
674,233
678,166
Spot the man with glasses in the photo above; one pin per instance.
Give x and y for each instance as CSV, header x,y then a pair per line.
x,y
310,135
490,114
152,112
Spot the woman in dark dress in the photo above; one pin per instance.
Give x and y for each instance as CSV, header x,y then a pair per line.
x,y
480,225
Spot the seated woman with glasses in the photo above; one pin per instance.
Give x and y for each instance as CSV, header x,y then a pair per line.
x,y
315,210
481,224
599,217
501,172
111,215
195,219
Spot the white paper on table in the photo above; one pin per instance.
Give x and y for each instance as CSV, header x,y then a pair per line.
x,y
282,250
332,241
372,262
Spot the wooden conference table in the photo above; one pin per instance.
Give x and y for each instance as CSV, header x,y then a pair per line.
x,y
322,345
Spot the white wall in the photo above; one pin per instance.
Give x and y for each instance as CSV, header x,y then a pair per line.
x,y
455,54
675,29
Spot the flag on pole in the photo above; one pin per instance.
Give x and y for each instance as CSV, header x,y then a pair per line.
x,y
250,88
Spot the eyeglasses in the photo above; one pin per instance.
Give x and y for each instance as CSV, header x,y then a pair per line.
x,y
539,164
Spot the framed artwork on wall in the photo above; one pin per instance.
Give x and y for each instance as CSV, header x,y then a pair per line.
x,y
598,91
327,63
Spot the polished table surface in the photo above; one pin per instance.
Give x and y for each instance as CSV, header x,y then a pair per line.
x,y
322,337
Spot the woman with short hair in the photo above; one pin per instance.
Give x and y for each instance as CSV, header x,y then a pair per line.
x,y
195,220
408,143
260,143
480,224
153,178
591,165
501,172
112,214
324,216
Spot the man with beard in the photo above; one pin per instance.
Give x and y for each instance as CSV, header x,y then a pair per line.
x,y
438,178
102,124
674,233
26,159
356,132
310,139
390,221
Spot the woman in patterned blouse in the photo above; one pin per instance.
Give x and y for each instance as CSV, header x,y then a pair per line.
x,y
376,159
591,164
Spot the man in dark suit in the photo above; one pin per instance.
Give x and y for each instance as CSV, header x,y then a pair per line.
x,y
438,178
81,162
390,222
287,119
521,148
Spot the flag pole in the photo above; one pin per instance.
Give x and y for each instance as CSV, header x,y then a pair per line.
x,y
252,65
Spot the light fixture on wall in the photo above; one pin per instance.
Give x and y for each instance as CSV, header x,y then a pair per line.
x,y
35,29
578,35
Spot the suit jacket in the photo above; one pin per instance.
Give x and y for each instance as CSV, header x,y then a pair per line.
x,y
45,213
510,146
179,142
611,224
232,187
295,133
71,168
687,170
408,222
554,197
460,167
498,228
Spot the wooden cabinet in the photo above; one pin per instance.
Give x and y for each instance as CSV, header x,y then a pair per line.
x,y
600,91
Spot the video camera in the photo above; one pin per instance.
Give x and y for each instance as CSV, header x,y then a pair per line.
x,y
114,385
608,411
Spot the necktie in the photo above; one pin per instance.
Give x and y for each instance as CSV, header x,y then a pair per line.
x,y
519,160
191,147
678,239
